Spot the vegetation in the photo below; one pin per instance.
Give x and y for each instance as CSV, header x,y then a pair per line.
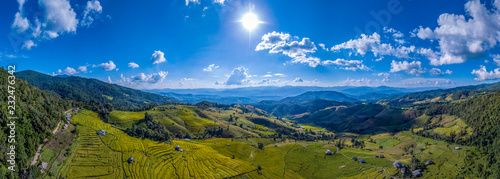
x,y
37,112
91,90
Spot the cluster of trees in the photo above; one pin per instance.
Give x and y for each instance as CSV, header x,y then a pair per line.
x,y
482,113
37,112
151,129
84,90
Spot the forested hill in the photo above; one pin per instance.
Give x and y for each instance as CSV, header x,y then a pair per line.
x,y
85,90
482,113
37,112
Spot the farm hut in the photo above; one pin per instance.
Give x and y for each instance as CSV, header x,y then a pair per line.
x,y
215,142
381,156
130,160
187,139
429,162
403,170
416,173
355,159
458,148
67,122
275,145
177,147
362,161
43,166
101,132
227,144
328,152
65,126
396,164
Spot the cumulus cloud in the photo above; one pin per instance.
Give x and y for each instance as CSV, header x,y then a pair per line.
x,y
92,10
438,72
350,64
412,68
158,57
107,66
193,1
239,76
298,80
28,44
82,69
133,65
282,43
210,67
151,78
483,74
394,32
20,23
57,18
372,43
70,71
463,37
272,39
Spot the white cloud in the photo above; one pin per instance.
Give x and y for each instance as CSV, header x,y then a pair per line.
x,y
92,10
272,39
463,37
70,71
59,17
59,71
239,76
267,76
82,69
192,1
351,64
496,58
311,61
210,67
280,75
109,80
413,68
357,82
395,33
20,23
158,57
482,74
379,59
298,80
133,65
107,66
28,44
278,43
372,43
151,78
438,72
221,2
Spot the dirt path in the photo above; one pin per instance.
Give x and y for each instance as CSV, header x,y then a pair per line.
x,y
39,150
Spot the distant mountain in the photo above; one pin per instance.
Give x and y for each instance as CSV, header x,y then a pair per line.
x,y
307,102
362,118
193,99
312,95
86,90
457,93
248,95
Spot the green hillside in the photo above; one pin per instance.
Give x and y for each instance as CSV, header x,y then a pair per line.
x,y
90,90
37,112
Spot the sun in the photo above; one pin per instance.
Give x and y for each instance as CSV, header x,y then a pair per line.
x,y
250,21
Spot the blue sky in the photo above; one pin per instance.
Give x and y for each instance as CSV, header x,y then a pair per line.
x,y
203,44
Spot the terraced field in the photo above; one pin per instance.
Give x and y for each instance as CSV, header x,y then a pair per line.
x,y
105,156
